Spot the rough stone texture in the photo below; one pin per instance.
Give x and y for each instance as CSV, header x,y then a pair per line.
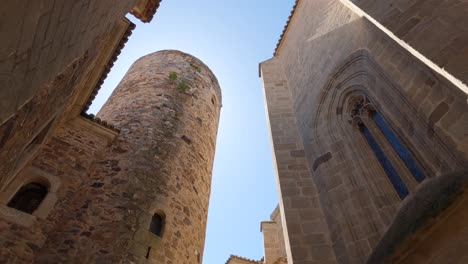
x,y
167,144
110,184
52,33
443,241
239,260
49,49
68,154
431,226
104,184
302,215
273,239
437,29
330,183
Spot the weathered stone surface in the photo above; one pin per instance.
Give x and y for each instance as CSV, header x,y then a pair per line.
x,y
330,57
168,162
110,184
50,49
434,28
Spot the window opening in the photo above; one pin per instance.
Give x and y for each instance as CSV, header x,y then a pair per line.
x,y
392,174
396,144
29,197
148,253
156,225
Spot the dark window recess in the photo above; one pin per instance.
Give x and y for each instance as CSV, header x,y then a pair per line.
x,y
392,174
396,144
156,225
186,139
28,198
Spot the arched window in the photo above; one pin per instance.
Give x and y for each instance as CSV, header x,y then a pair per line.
x,y
29,197
392,174
365,115
400,149
157,223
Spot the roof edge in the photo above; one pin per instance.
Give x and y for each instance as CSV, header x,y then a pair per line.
x,y
285,29
244,259
108,66
145,12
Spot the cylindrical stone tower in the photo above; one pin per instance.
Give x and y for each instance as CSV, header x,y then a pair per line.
x,y
167,109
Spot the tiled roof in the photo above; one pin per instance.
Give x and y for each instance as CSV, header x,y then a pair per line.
x,y
99,121
244,259
286,28
108,67
149,11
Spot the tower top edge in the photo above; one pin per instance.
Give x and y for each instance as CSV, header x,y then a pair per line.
x,y
186,56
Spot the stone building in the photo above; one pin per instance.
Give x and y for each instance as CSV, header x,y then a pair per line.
x,y
128,186
367,107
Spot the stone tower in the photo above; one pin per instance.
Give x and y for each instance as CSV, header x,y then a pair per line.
x,y
142,197
167,108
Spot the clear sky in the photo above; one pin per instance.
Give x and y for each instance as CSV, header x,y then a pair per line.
x,y
231,37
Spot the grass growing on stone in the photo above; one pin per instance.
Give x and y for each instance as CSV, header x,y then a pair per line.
x,y
196,67
172,76
183,86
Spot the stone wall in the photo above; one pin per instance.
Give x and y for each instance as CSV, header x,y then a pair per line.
x,y
165,155
64,162
307,238
50,48
273,239
239,260
106,185
434,28
42,38
328,56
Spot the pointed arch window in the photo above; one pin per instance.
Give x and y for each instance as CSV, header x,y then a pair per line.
x,y
363,113
391,172
400,149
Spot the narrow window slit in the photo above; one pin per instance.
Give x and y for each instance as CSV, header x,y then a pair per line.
x,y
156,226
148,253
392,174
186,139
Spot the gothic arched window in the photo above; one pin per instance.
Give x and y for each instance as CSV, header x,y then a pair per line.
x,y
365,117
396,144
29,197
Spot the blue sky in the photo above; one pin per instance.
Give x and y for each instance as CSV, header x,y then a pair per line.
x,y
231,37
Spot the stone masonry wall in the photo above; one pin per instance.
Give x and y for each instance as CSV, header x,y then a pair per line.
x,y
273,239
48,48
437,29
306,233
328,55
67,155
47,32
160,163
104,196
